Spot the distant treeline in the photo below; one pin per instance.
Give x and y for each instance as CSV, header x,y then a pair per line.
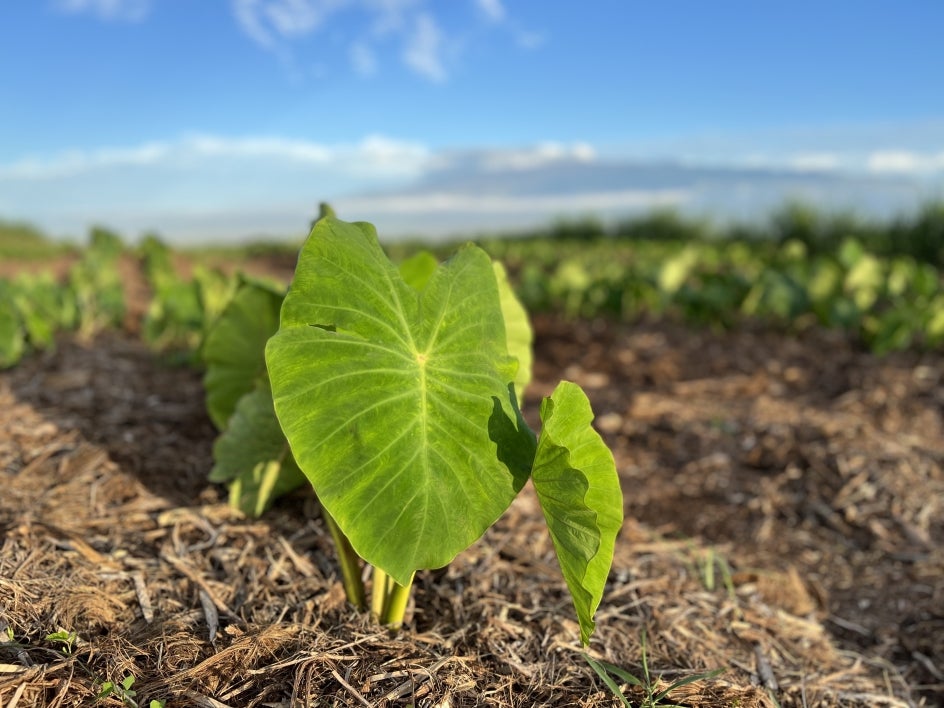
x,y
919,235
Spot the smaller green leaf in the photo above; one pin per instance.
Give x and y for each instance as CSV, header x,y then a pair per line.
x,y
517,329
601,669
253,455
576,482
418,269
234,350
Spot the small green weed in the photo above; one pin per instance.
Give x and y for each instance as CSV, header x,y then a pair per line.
x,y
66,639
653,698
125,692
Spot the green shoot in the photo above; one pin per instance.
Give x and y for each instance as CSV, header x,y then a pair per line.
x,y
652,697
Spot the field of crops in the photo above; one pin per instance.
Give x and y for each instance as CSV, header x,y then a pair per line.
x,y
774,402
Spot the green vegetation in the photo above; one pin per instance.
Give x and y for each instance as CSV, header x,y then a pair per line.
x,y
470,430
96,284
23,242
251,454
879,282
864,282
67,647
398,401
181,312
652,695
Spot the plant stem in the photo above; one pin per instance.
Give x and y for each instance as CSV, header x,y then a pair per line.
x,y
379,594
389,599
350,563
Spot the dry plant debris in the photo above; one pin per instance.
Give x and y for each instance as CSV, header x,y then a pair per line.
x,y
783,499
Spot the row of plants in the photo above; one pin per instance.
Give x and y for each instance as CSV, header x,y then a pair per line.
x,y
888,303
34,307
181,310
90,298
802,271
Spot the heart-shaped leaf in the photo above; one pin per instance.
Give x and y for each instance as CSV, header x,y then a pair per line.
x,y
395,401
576,482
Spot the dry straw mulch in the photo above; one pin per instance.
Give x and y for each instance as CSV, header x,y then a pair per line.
x,y
110,531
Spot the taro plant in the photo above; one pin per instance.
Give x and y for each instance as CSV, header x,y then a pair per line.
x,y
397,397
251,454
95,281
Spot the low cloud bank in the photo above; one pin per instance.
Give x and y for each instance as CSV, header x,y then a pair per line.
x,y
213,188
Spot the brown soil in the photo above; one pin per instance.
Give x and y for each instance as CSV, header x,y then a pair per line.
x,y
784,499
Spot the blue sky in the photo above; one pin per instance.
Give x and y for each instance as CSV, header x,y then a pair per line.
x,y
210,119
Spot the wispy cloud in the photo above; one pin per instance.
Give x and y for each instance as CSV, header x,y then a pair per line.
x,y
411,27
75,162
109,10
390,16
535,157
905,162
363,60
268,22
440,202
374,154
423,48
492,9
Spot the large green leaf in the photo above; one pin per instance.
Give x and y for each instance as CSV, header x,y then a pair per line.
x,y
419,268
576,482
234,350
396,401
253,456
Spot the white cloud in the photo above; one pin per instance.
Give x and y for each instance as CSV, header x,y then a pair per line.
x,y
374,154
111,10
274,24
537,156
380,151
423,47
492,9
389,16
362,58
248,18
904,162
549,204
269,21
279,26
75,162
256,147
